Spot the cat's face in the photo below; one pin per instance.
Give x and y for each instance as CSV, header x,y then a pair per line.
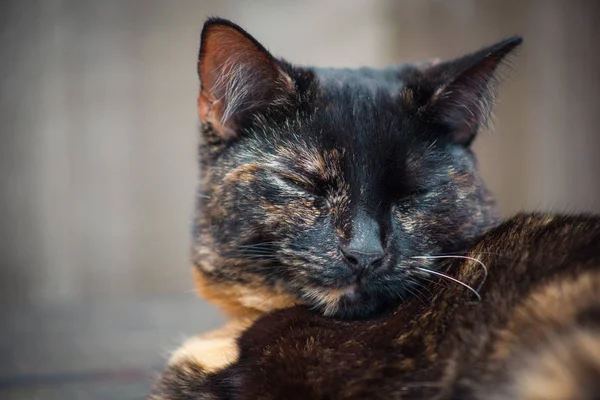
x,y
325,184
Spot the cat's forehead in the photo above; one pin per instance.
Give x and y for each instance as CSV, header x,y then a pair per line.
x,y
358,135
360,111
356,124
390,79
356,121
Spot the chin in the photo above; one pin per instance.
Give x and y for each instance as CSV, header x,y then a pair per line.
x,y
349,302
359,310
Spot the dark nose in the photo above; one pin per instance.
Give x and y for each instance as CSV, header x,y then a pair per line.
x,y
365,248
360,259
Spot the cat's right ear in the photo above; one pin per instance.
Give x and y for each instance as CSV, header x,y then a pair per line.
x,y
459,94
238,77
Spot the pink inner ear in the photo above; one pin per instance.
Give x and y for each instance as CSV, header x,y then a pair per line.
x,y
225,47
236,75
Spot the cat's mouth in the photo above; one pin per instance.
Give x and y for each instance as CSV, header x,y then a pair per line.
x,y
355,298
350,292
329,293
334,301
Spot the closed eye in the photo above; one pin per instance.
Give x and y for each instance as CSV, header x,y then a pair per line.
x,y
416,193
412,195
297,182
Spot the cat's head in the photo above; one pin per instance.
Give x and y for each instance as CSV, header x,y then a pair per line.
x,y
323,184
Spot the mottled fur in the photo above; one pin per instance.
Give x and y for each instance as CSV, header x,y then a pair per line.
x,y
298,162
535,335
325,192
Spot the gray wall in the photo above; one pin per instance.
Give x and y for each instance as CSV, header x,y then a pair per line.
x,y
98,120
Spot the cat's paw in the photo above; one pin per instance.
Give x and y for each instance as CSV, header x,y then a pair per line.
x,y
214,350
210,354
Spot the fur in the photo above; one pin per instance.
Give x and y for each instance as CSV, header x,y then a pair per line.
x,y
300,164
534,335
327,200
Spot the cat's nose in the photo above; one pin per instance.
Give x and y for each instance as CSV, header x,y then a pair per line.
x,y
365,248
360,259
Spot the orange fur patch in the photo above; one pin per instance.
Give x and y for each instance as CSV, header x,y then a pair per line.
x,y
555,305
241,301
557,372
214,350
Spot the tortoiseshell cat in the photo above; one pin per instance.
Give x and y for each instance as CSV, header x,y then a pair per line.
x,y
318,186
334,190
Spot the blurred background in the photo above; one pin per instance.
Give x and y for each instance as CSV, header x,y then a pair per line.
x,y
98,156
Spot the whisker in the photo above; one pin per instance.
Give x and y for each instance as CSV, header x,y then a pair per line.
x,y
259,244
452,253
434,272
435,282
419,285
395,293
485,270
252,253
417,294
256,257
253,250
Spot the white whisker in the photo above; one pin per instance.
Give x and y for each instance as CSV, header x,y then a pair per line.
x,y
485,270
434,272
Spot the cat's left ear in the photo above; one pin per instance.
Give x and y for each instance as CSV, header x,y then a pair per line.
x,y
238,77
459,94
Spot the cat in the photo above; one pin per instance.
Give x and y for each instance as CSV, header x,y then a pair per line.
x,y
319,185
533,332
332,189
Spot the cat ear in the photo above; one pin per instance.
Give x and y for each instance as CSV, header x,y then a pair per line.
x,y
460,93
238,76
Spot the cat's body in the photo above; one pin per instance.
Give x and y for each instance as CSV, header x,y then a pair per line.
x,y
535,334
329,193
